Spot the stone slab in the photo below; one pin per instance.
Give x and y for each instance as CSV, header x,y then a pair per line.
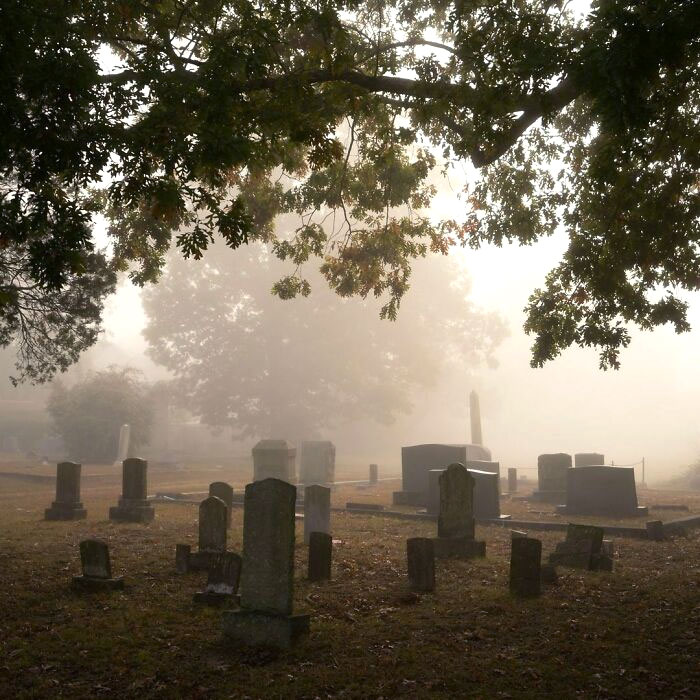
x,y
258,629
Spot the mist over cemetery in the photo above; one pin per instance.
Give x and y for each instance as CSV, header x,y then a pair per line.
x,y
350,349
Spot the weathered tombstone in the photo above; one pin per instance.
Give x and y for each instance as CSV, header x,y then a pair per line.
x,y
420,557
600,490
655,530
317,510
588,459
373,473
212,536
224,491
551,477
222,581
97,569
123,445
133,504
267,577
486,501
512,480
456,516
418,460
67,505
320,556
317,462
525,563
274,459
582,549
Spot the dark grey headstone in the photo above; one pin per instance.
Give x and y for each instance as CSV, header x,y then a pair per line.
x,y
224,491
456,517
267,579
512,480
551,477
588,459
133,504
525,562
320,556
212,525
317,510
420,556
373,473
94,559
67,505
600,490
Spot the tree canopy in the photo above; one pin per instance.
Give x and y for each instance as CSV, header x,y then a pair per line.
x,y
197,119
243,360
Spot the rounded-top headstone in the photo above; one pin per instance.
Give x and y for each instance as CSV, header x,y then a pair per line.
x,y
68,482
456,515
212,525
224,491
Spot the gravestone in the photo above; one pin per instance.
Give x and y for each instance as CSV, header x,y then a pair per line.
x,y
267,577
582,549
123,444
551,477
133,505
373,473
224,491
274,459
512,480
212,536
588,459
486,501
525,566
456,515
418,460
600,490
67,505
655,530
320,556
317,462
96,567
222,581
420,557
317,510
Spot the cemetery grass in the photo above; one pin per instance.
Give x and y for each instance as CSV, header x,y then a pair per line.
x,y
635,633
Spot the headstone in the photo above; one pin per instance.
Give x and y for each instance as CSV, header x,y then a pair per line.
x,y
456,515
133,505
486,501
373,473
418,460
525,563
512,480
320,556
582,549
267,577
224,491
67,505
97,569
600,490
317,510
475,418
274,459
551,477
222,581
655,530
317,462
588,459
123,445
420,556
212,536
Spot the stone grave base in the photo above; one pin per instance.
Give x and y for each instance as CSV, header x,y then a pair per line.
x,y
255,628
549,496
92,583
458,548
638,511
132,514
65,511
216,600
409,498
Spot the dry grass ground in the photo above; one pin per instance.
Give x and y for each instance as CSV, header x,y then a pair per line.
x,y
634,633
